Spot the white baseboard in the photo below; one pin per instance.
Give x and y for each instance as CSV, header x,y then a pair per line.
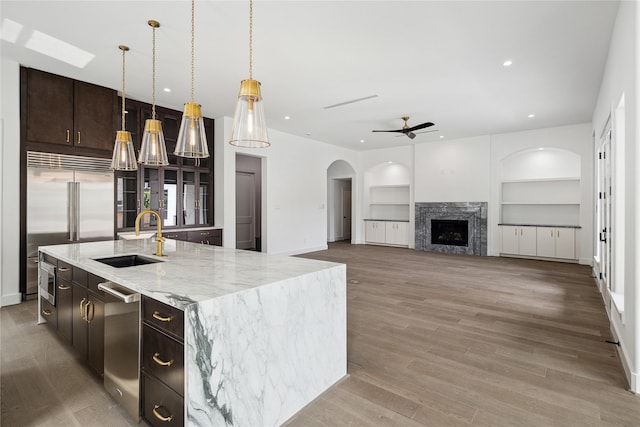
x,y
11,299
586,261
632,377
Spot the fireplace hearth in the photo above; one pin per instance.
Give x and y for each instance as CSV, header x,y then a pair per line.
x,y
452,227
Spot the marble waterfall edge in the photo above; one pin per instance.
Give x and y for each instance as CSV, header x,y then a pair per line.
x,y
255,358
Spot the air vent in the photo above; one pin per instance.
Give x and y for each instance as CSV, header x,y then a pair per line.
x,y
340,104
64,161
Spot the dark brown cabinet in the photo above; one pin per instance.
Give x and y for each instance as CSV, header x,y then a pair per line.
x,y
207,237
66,112
162,364
64,301
181,192
88,319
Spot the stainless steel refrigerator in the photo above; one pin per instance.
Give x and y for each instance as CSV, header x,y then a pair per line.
x,y
69,199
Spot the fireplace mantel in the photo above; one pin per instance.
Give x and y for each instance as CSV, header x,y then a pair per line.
x,y
473,212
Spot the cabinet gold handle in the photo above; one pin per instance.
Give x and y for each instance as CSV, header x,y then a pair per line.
x,y
64,287
78,137
82,308
90,305
158,316
160,416
156,358
68,135
63,269
46,312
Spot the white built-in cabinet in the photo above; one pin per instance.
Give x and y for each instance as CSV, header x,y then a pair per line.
x,y
395,233
540,202
555,242
519,240
544,242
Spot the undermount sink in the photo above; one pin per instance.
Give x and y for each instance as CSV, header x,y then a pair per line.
x,y
122,261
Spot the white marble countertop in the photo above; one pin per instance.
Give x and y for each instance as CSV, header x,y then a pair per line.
x,y
190,273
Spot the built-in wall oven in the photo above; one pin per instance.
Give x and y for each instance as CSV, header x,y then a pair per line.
x,y
47,280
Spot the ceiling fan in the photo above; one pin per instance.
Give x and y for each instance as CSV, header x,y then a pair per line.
x,y
409,131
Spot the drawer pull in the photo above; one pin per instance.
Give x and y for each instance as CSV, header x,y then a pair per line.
x,y
156,358
64,287
82,315
46,312
160,416
63,269
158,316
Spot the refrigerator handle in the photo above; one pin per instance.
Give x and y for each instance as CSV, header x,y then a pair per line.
x,y
70,209
77,210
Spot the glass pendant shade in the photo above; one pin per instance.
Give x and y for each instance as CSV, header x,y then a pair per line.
x,y
153,151
192,139
249,128
124,157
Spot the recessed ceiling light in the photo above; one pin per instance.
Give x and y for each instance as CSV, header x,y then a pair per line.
x,y
166,89
362,141
10,30
441,136
531,116
287,117
58,49
507,63
390,163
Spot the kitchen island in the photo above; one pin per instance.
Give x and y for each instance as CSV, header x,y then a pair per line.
x,y
263,335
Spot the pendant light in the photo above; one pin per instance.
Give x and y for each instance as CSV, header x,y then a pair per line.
x,y
249,128
153,151
124,157
192,140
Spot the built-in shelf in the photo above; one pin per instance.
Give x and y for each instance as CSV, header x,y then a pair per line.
x,y
389,202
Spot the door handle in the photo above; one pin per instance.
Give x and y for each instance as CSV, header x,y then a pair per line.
x,y
82,309
156,358
68,135
78,137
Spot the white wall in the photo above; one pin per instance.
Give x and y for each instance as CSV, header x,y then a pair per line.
x,y
453,171
621,77
10,177
294,190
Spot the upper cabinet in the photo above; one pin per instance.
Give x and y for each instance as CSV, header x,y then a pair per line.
x,y
63,112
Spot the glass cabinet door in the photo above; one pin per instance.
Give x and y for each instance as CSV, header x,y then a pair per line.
x,y
169,205
203,198
152,198
189,197
126,199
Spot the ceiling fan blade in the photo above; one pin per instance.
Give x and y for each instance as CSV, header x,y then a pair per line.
x,y
428,131
395,130
420,126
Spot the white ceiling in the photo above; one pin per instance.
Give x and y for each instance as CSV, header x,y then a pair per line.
x,y
438,61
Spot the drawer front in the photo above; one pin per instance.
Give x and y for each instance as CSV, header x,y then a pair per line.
x,y
49,312
64,271
92,284
161,406
164,317
80,276
208,237
163,357
176,235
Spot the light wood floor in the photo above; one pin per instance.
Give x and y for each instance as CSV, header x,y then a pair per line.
x,y
455,340
433,340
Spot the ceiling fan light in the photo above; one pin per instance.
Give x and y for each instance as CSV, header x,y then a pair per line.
x,y
124,157
192,139
249,129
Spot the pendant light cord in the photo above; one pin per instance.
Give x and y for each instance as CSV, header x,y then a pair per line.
x,y
123,94
250,39
193,48
153,75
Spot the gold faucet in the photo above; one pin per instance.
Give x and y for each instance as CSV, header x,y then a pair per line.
x,y
159,239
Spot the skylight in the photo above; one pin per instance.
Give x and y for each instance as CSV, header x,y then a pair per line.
x,y
58,49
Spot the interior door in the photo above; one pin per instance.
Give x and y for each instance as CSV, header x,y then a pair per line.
x,y
346,211
245,210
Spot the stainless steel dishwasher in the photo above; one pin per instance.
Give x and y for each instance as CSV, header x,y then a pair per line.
x,y
122,346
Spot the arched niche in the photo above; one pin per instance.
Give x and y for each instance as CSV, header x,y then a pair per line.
x,y
540,164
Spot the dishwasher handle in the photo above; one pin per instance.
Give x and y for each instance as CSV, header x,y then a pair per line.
x,y
110,288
